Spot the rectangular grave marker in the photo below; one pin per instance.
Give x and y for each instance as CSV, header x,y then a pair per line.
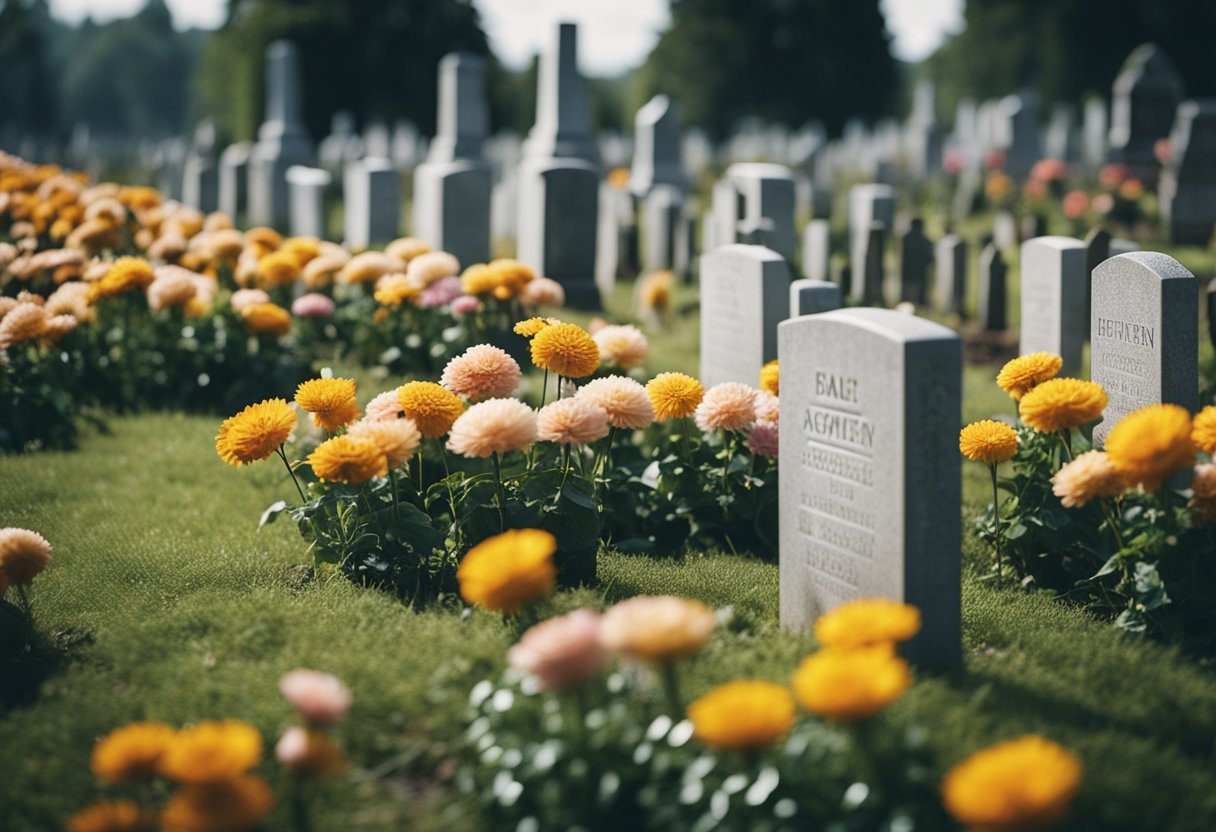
x,y
1145,335
870,486
745,293
1053,299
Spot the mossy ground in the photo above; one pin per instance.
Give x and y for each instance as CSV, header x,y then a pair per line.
x,y
163,602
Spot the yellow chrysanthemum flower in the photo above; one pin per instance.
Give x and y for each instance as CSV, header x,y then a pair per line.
x,y
507,572
1062,403
263,238
237,805
255,433
1019,784
655,291
770,378
988,441
674,395
126,274
279,268
532,326
743,715
510,276
211,751
867,622
347,460
131,751
397,290
1203,430
331,401
303,249
479,279
432,407
267,319
1149,444
1021,375
112,816
851,685
565,349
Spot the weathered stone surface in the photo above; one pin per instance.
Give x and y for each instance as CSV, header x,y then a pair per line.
x,y
234,179
558,213
563,108
870,485
867,204
1053,299
1145,334
745,293
817,250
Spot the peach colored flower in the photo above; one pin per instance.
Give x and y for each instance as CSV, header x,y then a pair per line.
x,y
397,439
543,291
173,286
574,421
481,372
657,627
561,652
1087,477
385,406
24,322
320,698
432,266
624,346
58,326
23,555
493,426
623,399
1203,489
243,299
762,439
727,406
768,407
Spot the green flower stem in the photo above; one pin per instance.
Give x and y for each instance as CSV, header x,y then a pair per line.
x,y
502,515
996,515
544,387
671,688
565,473
299,806
447,476
687,440
1066,439
1112,521
283,455
421,485
392,481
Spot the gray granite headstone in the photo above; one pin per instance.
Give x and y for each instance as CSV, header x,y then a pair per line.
x,y
1005,230
1145,97
950,280
745,293
817,250
1211,308
1145,335
1020,132
657,151
1121,246
810,297
765,199
868,203
282,139
1059,142
371,192
200,173
234,179
870,485
685,246
915,257
452,189
1097,249
1053,299
1031,226
662,208
994,298
1093,131
563,107
875,268
306,195
1188,183
172,161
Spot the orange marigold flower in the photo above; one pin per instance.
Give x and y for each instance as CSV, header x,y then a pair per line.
x,y
1062,403
770,378
267,319
236,805
210,752
851,685
988,441
1149,444
131,751
1203,430
348,460
866,622
743,715
432,407
112,816
1019,784
507,572
255,433
331,401
565,349
674,395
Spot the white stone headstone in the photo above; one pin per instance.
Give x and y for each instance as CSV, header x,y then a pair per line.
x,y
1053,304
745,293
372,198
306,195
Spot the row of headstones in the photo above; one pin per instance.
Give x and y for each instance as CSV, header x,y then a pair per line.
x,y
871,405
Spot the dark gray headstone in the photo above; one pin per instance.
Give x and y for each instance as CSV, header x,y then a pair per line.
x,y
876,247
1033,225
1145,346
283,141
915,257
1145,97
1211,304
745,293
868,203
810,297
870,486
1188,183
657,152
563,108
371,190
1053,299
994,293
1097,249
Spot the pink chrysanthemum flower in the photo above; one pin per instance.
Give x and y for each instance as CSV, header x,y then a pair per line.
x,y
494,426
573,421
623,399
481,372
727,406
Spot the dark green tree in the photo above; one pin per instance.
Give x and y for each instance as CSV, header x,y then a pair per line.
x,y
787,61
28,94
376,58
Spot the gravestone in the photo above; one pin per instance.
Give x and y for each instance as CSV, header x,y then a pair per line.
x,y
870,485
1097,249
452,189
810,297
331,152
1188,183
867,204
1144,100
234,179
754,196
371,193
559,177
1032,225
1005,230
1120,246
923,136
615,205
1211,304
1093,131
306,196
1145,345
950,280
872,283
915,257
171,159
657,153
282,139
406,145
745,293
1020,132
1059,143
200,173
685,246
817,250
662,208
994,298
1053,299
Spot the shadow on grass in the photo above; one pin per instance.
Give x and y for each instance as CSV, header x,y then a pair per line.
x,y
28,657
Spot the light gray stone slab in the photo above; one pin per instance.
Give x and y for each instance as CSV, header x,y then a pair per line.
x,y
817,250
1145,335
657,151
662,208
745,293
950,277
464,112
1053,306
372,197
868,203
810,297
766,200
283,141
306,188
870,480
234,179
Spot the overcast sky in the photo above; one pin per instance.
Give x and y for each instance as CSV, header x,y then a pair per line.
x,y
615,35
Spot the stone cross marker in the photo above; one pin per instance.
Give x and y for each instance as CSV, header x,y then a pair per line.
x,y
1188,185
950,282
1053,299
452,189
993,292
1145,335
870,485
915,257
745,293
810,297
817,250
1145,95
872,283
657,151
282,139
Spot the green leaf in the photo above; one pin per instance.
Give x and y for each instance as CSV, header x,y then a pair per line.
x,y
271,513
